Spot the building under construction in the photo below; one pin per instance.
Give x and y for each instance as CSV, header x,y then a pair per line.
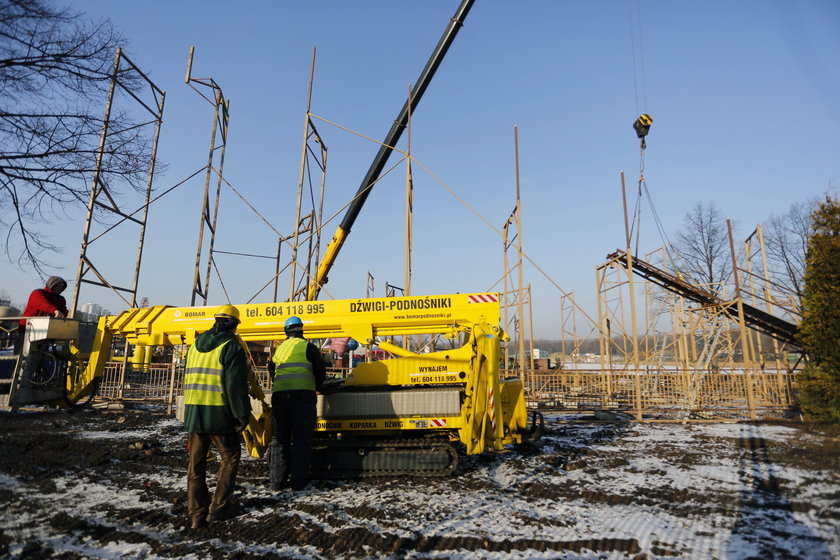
x,y
668,349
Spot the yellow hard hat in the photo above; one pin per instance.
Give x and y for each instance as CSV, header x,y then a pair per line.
x,y
227,312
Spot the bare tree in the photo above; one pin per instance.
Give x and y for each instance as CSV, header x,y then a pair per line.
x,y
786,241
702,247
55,70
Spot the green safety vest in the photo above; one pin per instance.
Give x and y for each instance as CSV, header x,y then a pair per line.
x,y
293,371
203,377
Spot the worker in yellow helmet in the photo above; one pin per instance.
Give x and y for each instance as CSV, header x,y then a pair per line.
x,y
297,371
216,411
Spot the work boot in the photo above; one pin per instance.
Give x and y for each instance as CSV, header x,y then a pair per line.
x,y
301,486
278,469
224,514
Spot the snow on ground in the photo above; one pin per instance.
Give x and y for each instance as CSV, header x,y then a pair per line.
x,y
722,491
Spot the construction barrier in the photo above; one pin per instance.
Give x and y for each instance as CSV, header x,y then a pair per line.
x,y
668,395
647,396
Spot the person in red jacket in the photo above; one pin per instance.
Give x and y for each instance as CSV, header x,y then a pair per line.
x,y
44,302
47,301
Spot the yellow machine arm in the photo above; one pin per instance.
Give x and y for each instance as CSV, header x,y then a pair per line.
x,y
260,429
362,319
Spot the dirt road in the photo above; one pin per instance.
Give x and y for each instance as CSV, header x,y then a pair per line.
x,y
111,484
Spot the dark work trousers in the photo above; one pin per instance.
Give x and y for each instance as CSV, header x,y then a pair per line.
x,y
291,449
199,503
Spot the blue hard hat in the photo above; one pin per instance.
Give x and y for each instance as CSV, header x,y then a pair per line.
x,y
293,322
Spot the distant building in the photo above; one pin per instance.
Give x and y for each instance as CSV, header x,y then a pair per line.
x,y
90,312
544,363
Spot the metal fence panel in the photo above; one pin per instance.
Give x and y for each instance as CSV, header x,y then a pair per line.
x,y
668,395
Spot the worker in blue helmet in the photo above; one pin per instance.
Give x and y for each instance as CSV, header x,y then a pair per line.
x,y
297,371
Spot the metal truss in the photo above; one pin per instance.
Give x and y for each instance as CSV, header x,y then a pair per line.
x,y
216,155
104,197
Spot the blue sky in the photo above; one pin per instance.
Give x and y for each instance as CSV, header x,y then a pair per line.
x,y
743,96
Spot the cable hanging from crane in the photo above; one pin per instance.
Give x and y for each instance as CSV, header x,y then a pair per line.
x,y
642,124
641,69
642,127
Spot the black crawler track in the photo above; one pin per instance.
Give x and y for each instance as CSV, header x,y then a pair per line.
x,y
372,457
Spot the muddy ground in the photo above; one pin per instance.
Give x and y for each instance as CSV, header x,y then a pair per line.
x,y
111,484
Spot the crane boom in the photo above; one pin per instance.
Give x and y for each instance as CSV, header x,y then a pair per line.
x,y
385,150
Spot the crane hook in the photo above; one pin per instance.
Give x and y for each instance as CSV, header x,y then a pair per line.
x,y
642,127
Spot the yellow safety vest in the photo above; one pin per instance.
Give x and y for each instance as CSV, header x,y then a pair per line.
x,y
203,377
293,371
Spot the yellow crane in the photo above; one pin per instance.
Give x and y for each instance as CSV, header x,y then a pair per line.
x,y
409,413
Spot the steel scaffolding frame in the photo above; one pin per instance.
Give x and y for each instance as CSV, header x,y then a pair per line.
x,y
101,195
514,291
704,327
309,224
221,120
